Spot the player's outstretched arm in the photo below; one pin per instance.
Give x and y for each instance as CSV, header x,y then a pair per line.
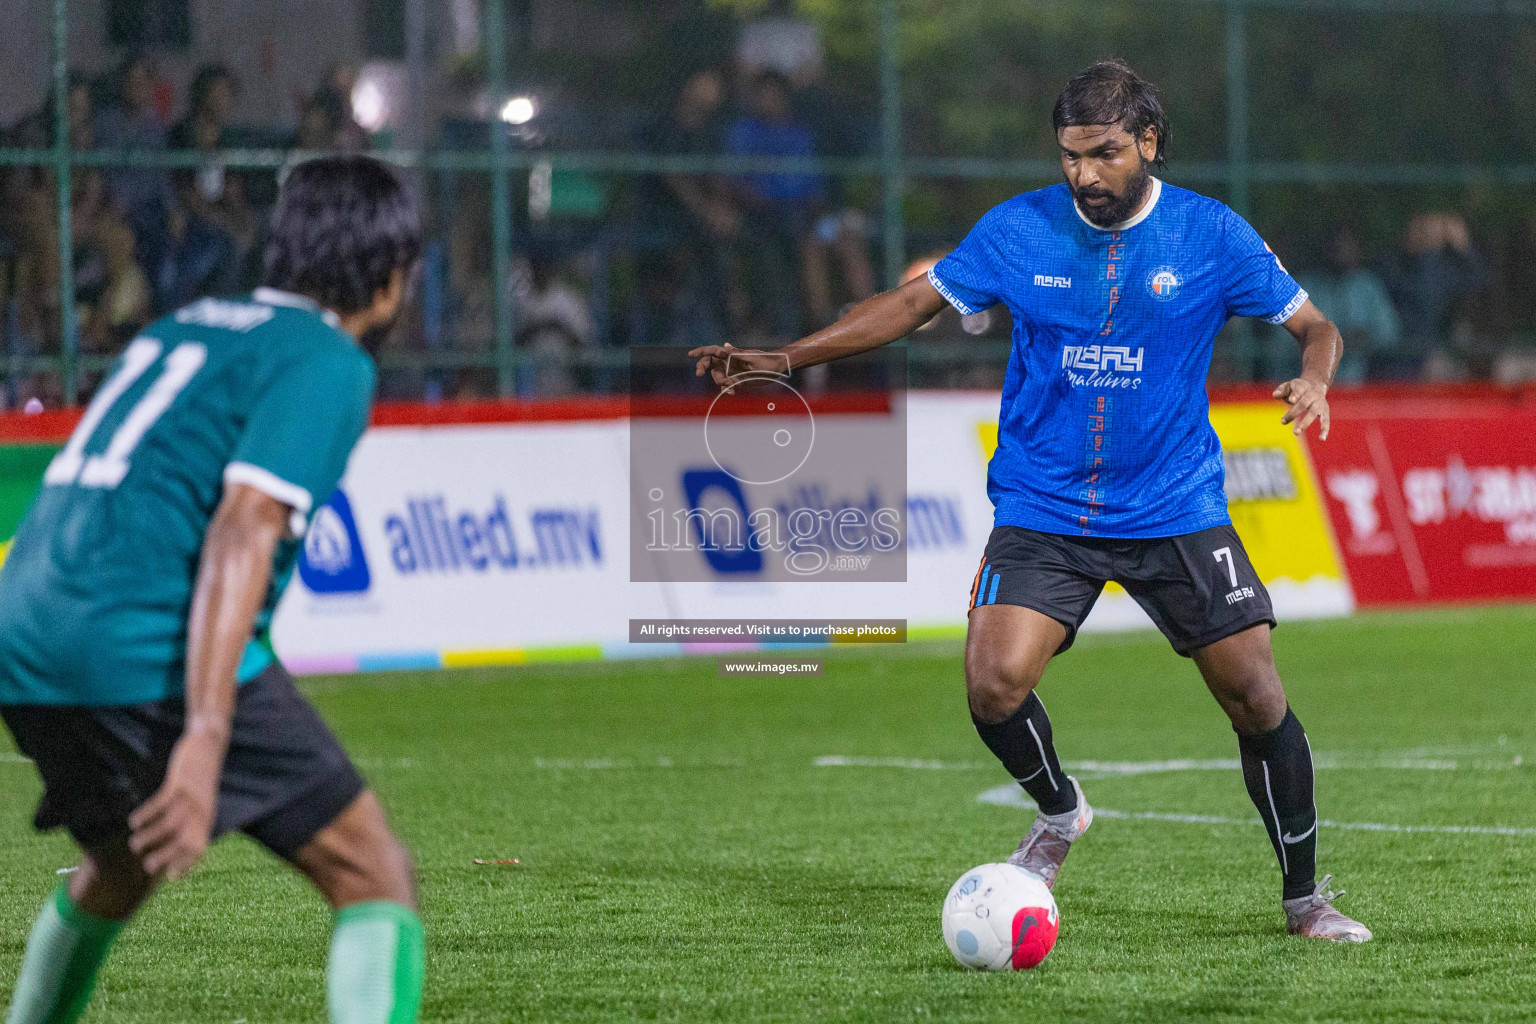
x,y
1306,397
172,828
880,320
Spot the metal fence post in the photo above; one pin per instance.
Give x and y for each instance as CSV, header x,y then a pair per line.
x,y
892,173
69,339
1245,353
501,201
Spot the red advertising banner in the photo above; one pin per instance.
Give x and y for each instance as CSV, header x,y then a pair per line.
x,y
1432,500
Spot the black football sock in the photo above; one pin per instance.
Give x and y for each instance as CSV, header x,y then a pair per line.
x,y
1022,741
1277,769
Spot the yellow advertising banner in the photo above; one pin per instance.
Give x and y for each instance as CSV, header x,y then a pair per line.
x,y
1272,495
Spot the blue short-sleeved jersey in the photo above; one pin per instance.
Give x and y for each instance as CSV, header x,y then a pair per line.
x,y
1105,429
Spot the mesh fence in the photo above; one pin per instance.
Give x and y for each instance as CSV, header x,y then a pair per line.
x,y
600,175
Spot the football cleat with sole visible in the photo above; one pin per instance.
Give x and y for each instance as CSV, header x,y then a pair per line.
x,y
1050,837
1314,917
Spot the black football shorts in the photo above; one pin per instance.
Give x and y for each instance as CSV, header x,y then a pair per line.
x,y
1198,588
285,777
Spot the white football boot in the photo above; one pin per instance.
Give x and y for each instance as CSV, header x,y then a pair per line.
x,y
1314,917
1050,837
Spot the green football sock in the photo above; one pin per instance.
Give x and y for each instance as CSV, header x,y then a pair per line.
x,y
65,949
374,976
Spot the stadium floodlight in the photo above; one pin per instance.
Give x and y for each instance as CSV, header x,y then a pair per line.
x,y
519,110
369,105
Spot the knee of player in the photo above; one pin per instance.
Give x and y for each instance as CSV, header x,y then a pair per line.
x,y
389,873
1256,701
1261,686
995,688
112,889
388,863
356,868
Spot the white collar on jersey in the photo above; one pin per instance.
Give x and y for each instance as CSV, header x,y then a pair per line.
x,y
278,297
1146,211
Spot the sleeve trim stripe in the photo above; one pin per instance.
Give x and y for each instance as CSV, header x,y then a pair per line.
x,y
274,486
949,296
268,483
1290,308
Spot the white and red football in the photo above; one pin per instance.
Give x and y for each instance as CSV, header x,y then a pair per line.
x,y
1000,917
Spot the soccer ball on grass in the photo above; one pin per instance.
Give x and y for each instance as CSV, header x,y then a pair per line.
x,y
1000,917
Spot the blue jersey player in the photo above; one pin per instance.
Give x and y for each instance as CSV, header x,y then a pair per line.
x,y
1106,466
135,666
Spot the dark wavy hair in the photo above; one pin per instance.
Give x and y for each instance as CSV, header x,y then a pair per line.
x,y
342,225
203,82
1109,92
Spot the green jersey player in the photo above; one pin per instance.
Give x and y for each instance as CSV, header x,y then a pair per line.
x,y
135,669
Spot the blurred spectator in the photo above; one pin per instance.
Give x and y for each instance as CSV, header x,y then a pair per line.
x,y
220,226
1354,297
843,126
335,97
315,130
843,235
684,267
111,294
554,322
1435,271
779,42
142,195
779,210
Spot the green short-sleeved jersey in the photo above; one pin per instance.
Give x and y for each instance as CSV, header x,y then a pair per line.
x,y
95,594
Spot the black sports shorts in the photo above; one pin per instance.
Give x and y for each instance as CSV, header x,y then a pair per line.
x,y
285,777
1198,588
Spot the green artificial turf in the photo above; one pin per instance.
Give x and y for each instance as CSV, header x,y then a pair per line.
x,y
684,857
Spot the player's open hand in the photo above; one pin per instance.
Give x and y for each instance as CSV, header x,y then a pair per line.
x,y
728,365
1308,402
171,830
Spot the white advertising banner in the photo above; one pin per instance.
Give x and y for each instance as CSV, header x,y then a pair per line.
x,y
491,544
448,545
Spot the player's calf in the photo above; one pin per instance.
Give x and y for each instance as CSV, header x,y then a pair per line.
x,y
1278,774
1240,673
72,936
110,882
1007,649
375,971
357,859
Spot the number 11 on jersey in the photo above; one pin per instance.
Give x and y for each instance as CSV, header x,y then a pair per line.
x,y
108,469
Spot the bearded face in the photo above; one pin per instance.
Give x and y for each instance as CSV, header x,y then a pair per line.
x,y
1107,170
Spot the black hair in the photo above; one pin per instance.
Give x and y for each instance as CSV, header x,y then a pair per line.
x,y
774,79
342,225
203,82
131,60
1109,92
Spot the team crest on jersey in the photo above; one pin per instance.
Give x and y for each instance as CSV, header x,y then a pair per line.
x,y
1164,283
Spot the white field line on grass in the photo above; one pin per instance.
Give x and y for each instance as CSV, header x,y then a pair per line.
x,y
610,763
590,764
1102,769
1011,796
1085,769
840,761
